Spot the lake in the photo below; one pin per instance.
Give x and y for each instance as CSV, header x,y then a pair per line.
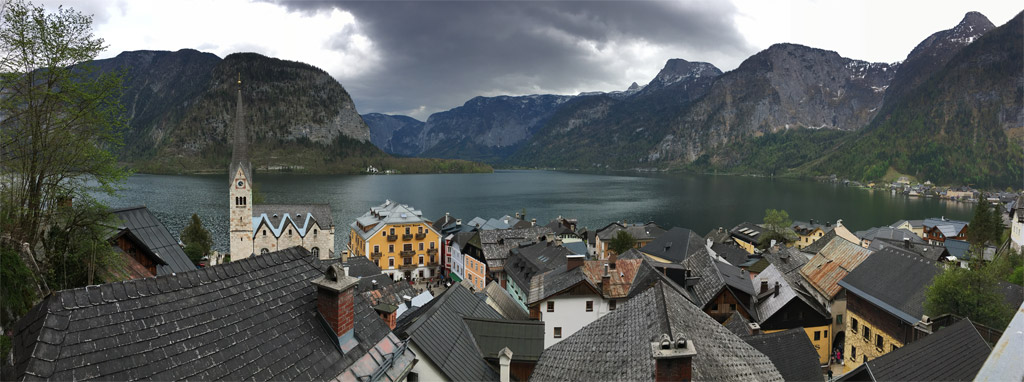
x,y
698,202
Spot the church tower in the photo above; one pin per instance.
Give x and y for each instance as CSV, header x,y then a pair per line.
x,y
240,175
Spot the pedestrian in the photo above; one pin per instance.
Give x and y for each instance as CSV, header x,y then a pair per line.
x,y
830,374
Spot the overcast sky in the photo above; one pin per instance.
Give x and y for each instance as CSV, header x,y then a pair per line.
x,y
417,58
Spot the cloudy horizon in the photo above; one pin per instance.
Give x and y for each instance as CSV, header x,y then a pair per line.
x,y
419,57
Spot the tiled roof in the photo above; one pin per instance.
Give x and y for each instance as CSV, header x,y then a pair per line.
x,y
949,228
806,228
557,280
502,302
618,345
392,293
895,281
719,236
789,290
792,353
737,324
674,245
251,319
925,250
787,260
731,252
496,244
714,276
388,213
639,231
747,232
358,266
831,264
525,338
954,353
889,233
439,331
141,222
302,216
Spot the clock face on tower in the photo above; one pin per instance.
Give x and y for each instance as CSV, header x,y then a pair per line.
x,y
241,184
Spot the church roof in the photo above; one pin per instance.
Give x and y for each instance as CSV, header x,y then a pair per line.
x,y
302,216
240,144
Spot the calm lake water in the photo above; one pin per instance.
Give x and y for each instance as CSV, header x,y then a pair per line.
x,y
698,202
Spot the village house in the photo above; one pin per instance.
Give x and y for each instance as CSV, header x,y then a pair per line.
x,y
720,288
821,276
915,226
465,260
146,246
446,226
503,303
792,353
746,235
643,233
398,239
580,291
783,303
267,228
1017,224
497,244
866,237
937,230
673,246
885,303
529,260
657,336
278,316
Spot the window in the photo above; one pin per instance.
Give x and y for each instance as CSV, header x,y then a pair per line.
x,y
879,342
376,249
264,232
421,259
558,332
316,251
611,305
407,230
853,352
551,308
825,334
264,251
383,233
407,261
839,318
732,307
853,324
421,246
314,232
431,245
391,262
419,229
817,335
392,232
289,232
590,306
407,247
714,307
866,334
391,248
894,347
431,258
421,273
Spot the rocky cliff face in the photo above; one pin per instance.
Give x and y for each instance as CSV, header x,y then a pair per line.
x,y
395,134
785,86
181,104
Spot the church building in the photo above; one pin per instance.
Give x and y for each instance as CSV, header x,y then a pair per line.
x,y
264,228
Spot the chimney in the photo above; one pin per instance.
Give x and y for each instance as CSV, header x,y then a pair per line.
x,y
517,215
533,222
606,281
906,242
673,359
458,222
505,361
828,224
335,295
812,222
374,284
764,286
776,289
408,301
573,262
839,222
754,328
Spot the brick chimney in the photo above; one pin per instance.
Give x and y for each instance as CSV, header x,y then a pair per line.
x,y
573,262
606,281
764,286
335,298
673,359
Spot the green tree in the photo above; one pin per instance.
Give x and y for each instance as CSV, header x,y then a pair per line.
x,y
972,293
77,247
59,121
986,227
777,227
622,242
197,240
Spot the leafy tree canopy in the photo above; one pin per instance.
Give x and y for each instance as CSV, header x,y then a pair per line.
x,y
197,240
973,293
777,227
622,242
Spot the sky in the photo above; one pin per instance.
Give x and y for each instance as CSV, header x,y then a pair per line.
x,y
420,57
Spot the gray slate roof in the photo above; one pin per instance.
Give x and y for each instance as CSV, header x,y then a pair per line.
x,y
497,243
789,290
895,281
141,222
390,212
618,345
747,232
737,324
504,303
792,353
954,353
674,245
251,319
639,231
715,276
439,330
928,251
525,338
359,266
731,253
871,234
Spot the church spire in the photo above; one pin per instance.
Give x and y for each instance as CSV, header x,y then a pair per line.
x,y
240,148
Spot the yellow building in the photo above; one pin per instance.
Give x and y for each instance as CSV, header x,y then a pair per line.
x,y
398,239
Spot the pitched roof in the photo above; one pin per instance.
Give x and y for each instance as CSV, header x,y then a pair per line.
x,y
392,293
525,338
502,302
674,245
359,266
497,243
639,231
618,345
788,260
1004,363
719,235
806,228
251,319
714,276
439,331
895,281
747,232
731,252
929,251
789,290
949,228
817,245
957,248
831,264
792,353
889,233
737,324
390,212
954,353
302,216
558,280
141,222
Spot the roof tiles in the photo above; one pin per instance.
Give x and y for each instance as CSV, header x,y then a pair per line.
x,y
832,263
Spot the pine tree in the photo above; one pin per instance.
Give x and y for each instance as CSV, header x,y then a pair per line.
x,y
197,240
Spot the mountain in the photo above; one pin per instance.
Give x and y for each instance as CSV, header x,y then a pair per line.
x,y
963,124
395,134
180,106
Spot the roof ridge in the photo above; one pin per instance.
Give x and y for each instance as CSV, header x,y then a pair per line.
x,y
123,209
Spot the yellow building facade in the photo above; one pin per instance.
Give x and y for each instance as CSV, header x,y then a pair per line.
x,y
398,239
865,342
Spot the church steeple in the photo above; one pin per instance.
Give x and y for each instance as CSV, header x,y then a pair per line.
x,y
240,147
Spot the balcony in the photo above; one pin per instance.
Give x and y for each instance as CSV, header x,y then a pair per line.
x,y
392,237
407,253
408,267
421,236
406,237
432,251
375,256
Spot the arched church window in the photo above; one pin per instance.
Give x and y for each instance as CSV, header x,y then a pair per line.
x,y
264,251
314,232
264,232
289,232
316,251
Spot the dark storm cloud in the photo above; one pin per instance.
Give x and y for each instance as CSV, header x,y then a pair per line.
x,y
439,54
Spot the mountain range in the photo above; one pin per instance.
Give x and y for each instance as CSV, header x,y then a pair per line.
x,y
951,112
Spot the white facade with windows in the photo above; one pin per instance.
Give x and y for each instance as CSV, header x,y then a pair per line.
x,y
564,315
